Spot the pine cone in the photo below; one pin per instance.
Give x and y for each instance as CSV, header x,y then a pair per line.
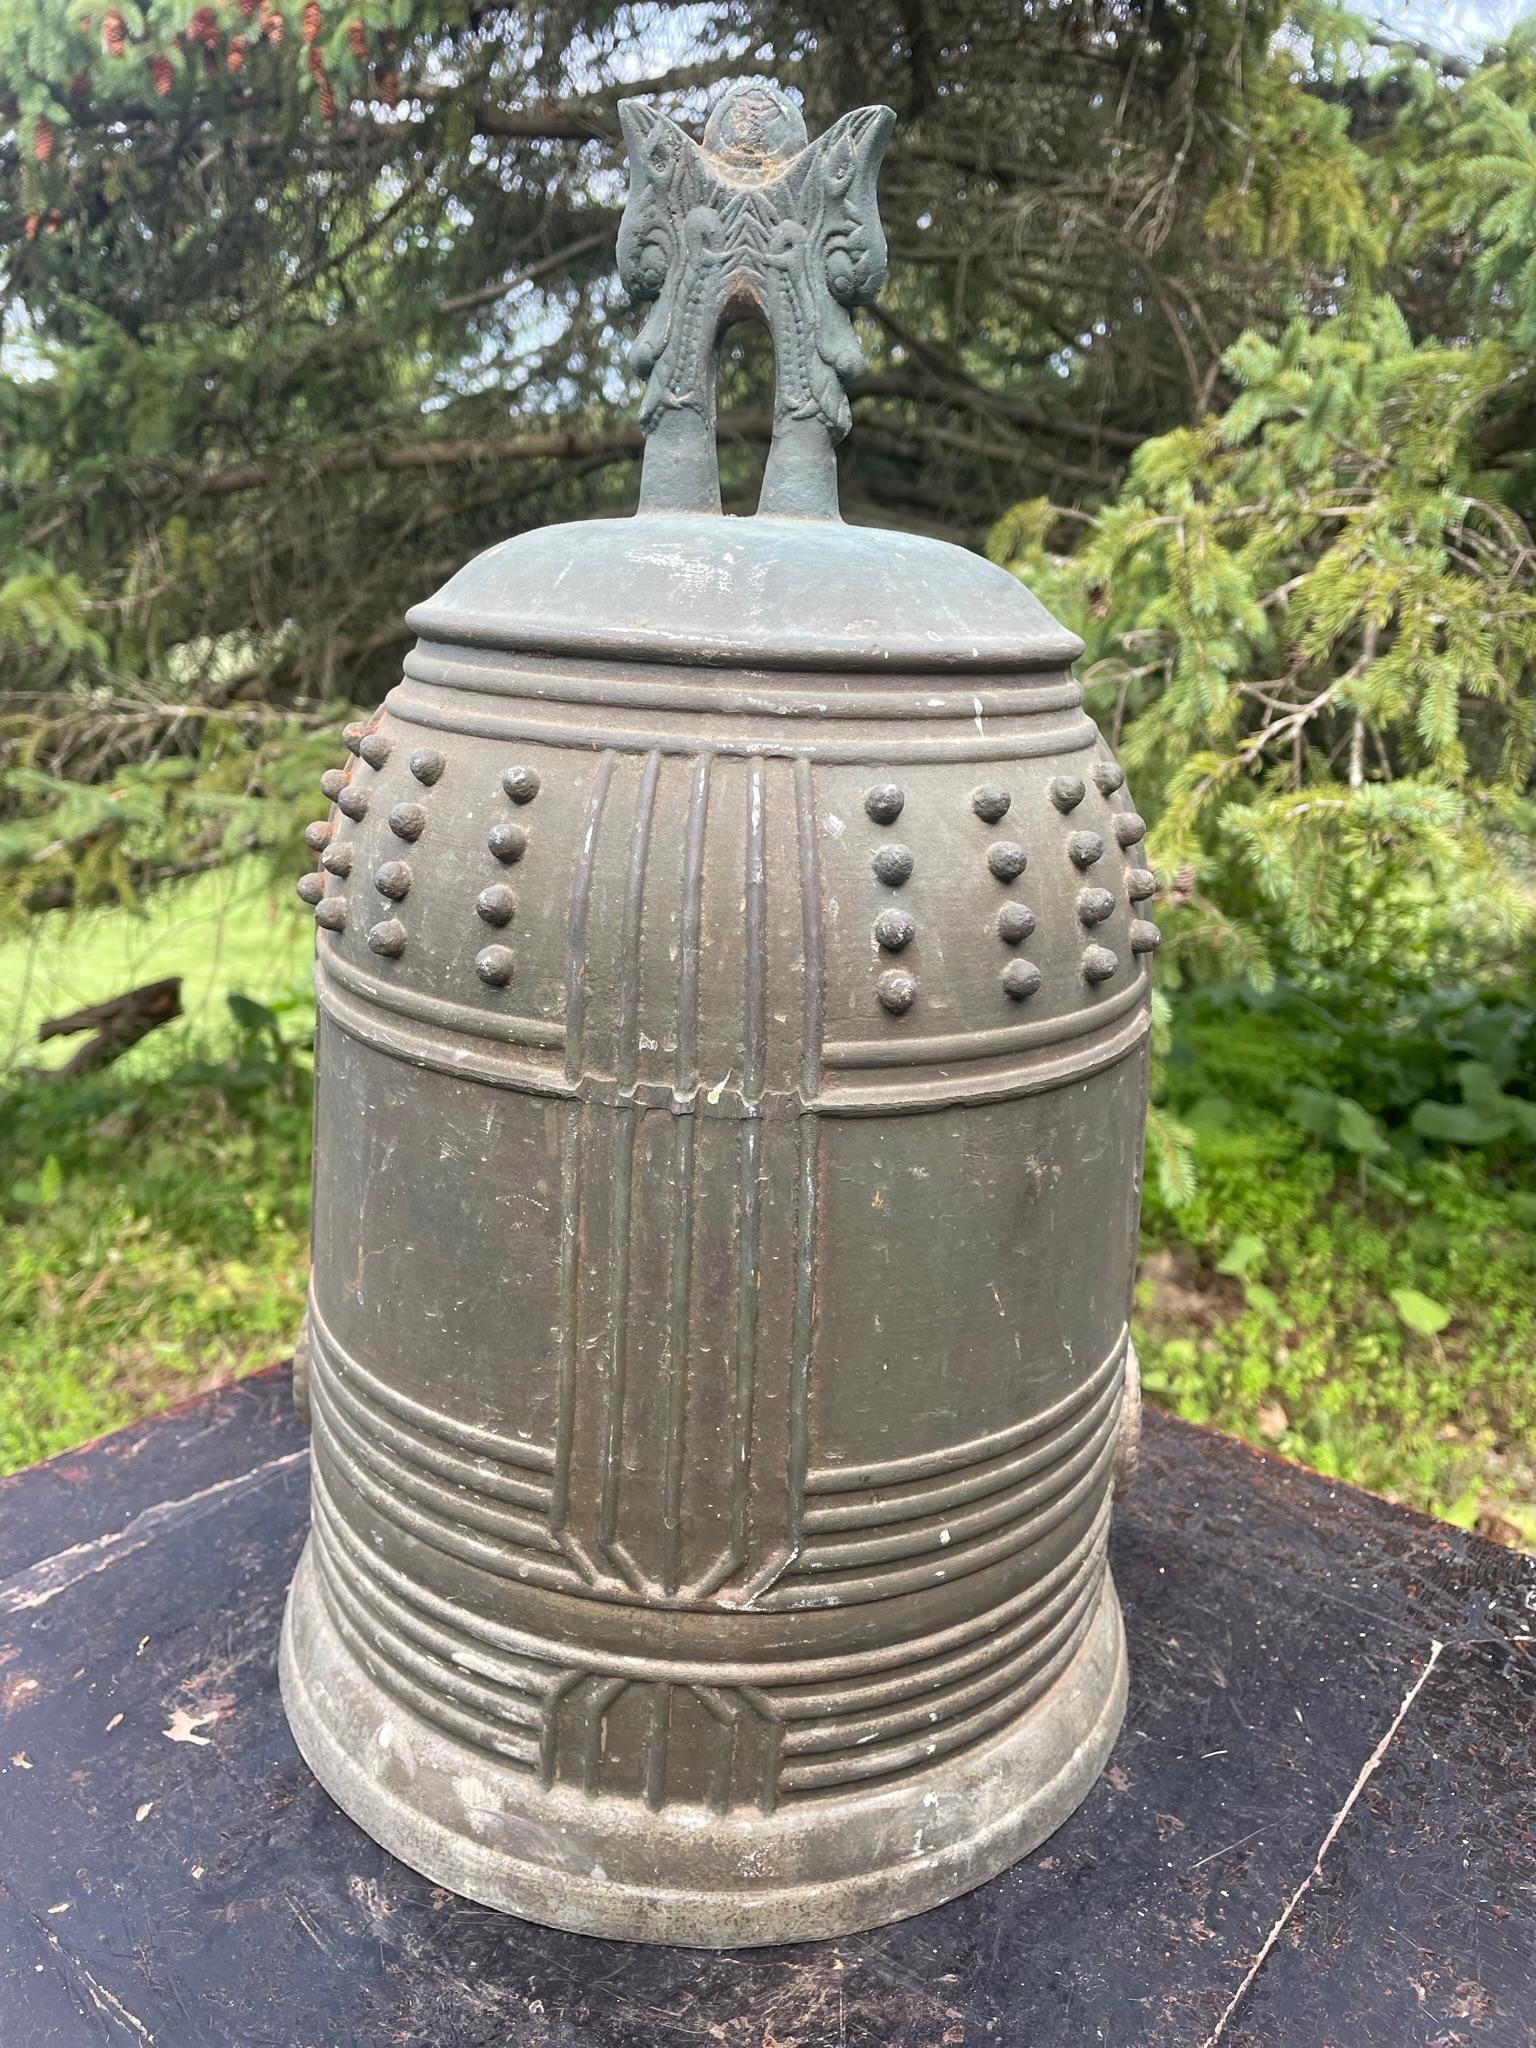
x,y
114,34
248,8
204,28
388,84
31,227
42,139
236,57
357,38
160,71
327,102
311,20
316,64
271,24
79,89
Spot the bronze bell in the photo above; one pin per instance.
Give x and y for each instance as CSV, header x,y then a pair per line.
x,y
733,993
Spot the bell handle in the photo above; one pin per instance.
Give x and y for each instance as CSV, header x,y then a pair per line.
x,y
752,223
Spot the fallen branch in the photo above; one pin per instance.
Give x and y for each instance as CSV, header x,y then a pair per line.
x,y
117,1024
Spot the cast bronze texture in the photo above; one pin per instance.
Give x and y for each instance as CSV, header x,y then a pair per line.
x,y
733,988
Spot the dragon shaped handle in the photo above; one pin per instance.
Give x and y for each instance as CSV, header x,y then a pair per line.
x,y
754,223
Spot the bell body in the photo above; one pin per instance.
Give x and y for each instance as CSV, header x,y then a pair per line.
x,y
732,1071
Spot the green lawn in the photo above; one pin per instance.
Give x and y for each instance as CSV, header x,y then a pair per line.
x,y
156,1214
1370,1313
235,929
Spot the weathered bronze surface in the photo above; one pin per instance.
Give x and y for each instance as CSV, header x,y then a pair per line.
x,y
733,1015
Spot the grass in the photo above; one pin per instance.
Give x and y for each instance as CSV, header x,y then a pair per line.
x,y
1371,1316
156,1214
233,929
1370,1312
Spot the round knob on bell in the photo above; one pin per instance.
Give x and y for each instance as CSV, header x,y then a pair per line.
x,y
1099,963
894,930
893,865
897,991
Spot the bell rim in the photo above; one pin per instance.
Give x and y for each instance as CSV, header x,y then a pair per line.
x,y
1073,1727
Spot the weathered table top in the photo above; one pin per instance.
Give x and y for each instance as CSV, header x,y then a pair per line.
x,y
1319,1826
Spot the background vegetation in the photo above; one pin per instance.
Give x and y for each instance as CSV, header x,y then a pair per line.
x,y
1213,321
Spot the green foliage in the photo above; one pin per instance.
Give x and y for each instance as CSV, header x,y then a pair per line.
x,y
1318,618
155,1228
1379,1329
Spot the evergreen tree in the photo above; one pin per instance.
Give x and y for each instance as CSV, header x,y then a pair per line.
x,y
304,305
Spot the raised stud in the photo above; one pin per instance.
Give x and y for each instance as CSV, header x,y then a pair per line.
x,y
388,938
494,966
893,865
1067,792
376,749
1145,936
311,887
521,784
393,879
1108,776
337,860
1099,963
1007,860
1015,922
1129,829
1084,848
497,905
884,802
897,991
331,913
1140,883
354,734
427,765
1021,978
318,835
408,821
894,930
332,783
353,802
990,802
507,842
1094,905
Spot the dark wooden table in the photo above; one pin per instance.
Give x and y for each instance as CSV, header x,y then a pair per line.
x,y
1319,1826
